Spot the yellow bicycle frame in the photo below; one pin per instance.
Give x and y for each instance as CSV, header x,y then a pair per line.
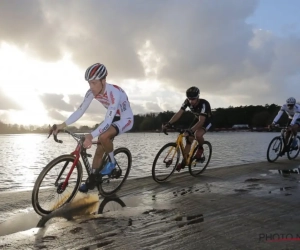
x,y
179,144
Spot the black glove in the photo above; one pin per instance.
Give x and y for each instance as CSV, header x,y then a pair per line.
x,y
168,125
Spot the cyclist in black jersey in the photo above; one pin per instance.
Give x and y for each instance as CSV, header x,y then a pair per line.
x,y
202,122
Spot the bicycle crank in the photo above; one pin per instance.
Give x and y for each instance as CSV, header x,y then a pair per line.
x,y
116,173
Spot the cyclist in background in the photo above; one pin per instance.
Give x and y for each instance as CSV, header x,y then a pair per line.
x,y
202,122
115,100
292,109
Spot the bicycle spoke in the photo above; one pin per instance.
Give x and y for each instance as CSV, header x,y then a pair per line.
x,y
198,166
165,162
274,149
48,194
294,151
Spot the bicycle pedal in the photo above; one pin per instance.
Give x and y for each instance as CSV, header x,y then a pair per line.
x,y
201,160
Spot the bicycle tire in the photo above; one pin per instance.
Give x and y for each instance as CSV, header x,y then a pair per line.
x,y
277,150
297,152
155,175
194,165
107,200
109,179
35,198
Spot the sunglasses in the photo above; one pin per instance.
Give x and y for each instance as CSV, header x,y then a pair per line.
x,y
291,105
193,98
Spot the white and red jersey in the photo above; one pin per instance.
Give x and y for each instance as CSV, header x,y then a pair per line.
x,y
294,113
114,99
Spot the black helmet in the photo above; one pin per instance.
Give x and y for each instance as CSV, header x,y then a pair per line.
x,y
192,92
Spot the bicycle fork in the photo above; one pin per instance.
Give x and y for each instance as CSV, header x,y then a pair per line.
x,y
66,181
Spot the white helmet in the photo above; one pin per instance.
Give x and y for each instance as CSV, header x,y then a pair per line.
x,y
95,72
291,101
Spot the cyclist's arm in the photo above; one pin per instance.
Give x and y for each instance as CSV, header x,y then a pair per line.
x,y
180,112
295,118
277,116
176,116
199,123
82,108
114,100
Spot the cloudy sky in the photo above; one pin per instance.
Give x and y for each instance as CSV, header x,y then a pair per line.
x,y
237,53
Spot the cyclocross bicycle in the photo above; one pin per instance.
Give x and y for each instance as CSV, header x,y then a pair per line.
x,y
167,158
59,181
278,143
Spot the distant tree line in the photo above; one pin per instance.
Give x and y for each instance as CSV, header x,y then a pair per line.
x,y
253,116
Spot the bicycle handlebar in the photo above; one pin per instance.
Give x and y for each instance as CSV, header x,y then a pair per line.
x,y
54,127
180,130
271,127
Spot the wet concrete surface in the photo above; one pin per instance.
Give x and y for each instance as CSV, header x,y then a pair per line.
x,y
252,206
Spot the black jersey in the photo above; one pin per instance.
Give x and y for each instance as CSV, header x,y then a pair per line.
x,y
201,109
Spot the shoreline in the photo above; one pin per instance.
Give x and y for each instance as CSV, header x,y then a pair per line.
x,y
150,176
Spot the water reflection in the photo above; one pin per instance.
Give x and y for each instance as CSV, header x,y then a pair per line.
x,y
81,208
286,171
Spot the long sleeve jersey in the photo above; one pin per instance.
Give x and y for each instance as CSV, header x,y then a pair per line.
x,y
293,113
114,99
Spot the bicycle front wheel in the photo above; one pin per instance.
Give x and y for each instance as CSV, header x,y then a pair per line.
x,y
274,149
109,185
165,162
196,166
50,192
294,152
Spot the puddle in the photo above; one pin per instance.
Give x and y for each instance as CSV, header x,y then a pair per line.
x,y
85,206
283,190
97,246
286,171
81,206
19,222
111,205
253,180
189,220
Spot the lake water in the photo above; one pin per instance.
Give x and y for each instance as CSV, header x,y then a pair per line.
x,y
22,157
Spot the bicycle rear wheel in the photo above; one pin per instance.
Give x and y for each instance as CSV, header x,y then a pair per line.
x,y
293,153
197,167
48,193
109,185
274,149
165,162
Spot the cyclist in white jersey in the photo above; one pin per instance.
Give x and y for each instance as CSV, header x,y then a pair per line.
x,y
115,100
292,109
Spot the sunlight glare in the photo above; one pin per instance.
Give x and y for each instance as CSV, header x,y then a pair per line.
x,y
24,79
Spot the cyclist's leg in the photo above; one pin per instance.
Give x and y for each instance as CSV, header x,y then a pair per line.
x,y
286,138
287,134
117,128
189,140
105,145
200,139
294,131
